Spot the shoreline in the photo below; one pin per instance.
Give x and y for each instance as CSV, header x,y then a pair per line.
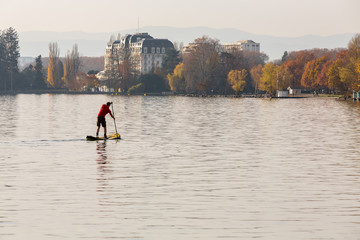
x,y
264,96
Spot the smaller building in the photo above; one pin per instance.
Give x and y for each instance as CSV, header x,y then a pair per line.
x,y
282,93
294,91
188,48
248,45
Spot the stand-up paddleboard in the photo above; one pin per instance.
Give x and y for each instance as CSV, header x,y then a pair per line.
x,y
108,137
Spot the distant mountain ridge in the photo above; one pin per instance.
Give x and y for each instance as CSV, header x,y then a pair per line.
x,y
34,43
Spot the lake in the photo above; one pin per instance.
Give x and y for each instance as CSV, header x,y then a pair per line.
x,y
186,168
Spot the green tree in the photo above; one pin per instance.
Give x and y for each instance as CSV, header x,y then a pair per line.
x,y
26,78
10,43
284,57
153,83
39,81
170,61
3,68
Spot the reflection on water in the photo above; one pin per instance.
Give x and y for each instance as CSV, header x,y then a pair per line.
x,y
187,168
101,151
103,166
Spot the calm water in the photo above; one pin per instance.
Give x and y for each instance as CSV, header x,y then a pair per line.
x,y
187,168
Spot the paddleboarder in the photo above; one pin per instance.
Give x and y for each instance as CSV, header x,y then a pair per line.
x,y
101,117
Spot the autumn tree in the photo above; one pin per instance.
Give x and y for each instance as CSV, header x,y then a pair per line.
x,y
227,62
247,60
311,73
256,74
55,67
202,66
270,78
323,79
315,72
90,81
293,67
292,73
67,78
176,79
354,62
308,79
127,73
236,79
344,73
334,80
122,71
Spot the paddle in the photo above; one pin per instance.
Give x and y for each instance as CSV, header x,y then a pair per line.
x,y
112,108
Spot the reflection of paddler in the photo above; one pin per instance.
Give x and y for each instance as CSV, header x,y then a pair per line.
x,y
101,151
101,117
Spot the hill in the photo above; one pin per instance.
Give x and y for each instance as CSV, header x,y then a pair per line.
x,y
33,43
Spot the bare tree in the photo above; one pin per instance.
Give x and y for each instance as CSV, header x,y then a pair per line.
x,y
71,69
202,66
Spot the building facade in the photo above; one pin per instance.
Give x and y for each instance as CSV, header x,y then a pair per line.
x,y
248,45
145,52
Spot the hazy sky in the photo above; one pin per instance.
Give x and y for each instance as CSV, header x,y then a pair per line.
x,y
290,18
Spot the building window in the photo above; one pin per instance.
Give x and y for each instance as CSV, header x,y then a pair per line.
x,y
145,49
163,50
152,50
158,50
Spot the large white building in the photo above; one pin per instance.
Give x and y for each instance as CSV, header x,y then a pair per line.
x,y
145,52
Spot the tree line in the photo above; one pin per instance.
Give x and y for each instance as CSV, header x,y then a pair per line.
x,y
11,79
36,76
336,70
67,74
207,69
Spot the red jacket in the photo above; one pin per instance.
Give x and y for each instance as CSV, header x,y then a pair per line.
x,y
104,110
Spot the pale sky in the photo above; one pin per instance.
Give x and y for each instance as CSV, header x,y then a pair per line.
x,y
285,18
